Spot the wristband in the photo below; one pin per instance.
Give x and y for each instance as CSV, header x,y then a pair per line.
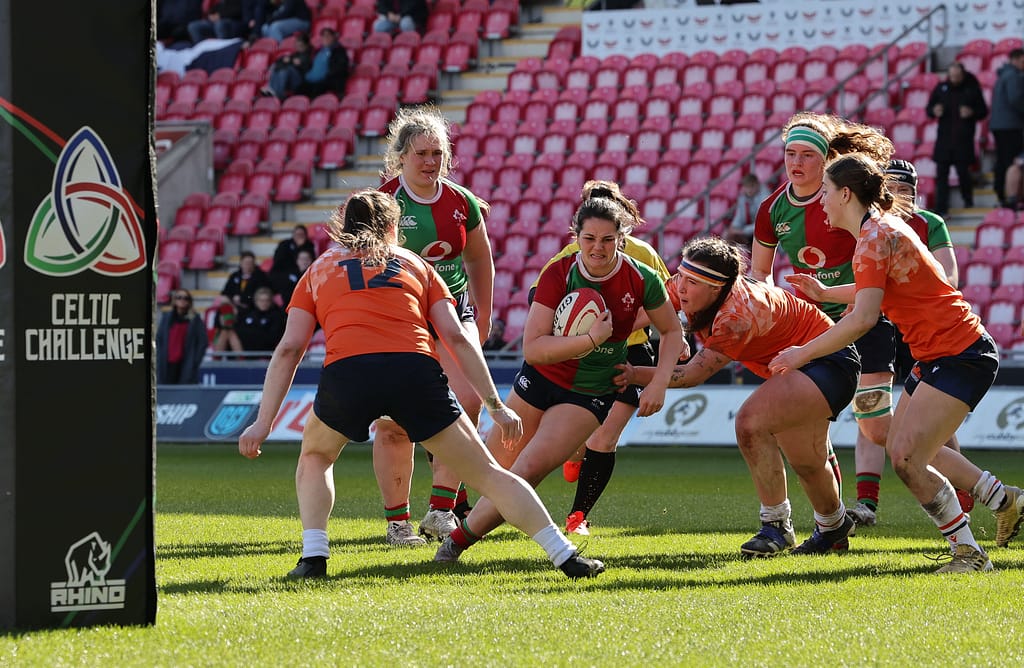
x,y
592,342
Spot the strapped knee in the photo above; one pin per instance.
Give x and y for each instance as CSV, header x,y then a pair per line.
x,y
873,401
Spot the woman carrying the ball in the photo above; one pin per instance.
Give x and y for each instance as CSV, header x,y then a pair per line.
x,y
566,385
374,300
737,318
593,462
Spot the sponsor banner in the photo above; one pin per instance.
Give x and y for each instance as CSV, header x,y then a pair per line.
x,y
79,248
679,26
706,416
700,416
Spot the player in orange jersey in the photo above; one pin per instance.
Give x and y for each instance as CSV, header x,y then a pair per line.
x,y
375,302
738,318
957,360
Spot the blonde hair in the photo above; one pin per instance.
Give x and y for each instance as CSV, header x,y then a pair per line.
x,y
425,121
843,136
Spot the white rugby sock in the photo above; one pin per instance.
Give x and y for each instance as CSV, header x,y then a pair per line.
x,y
314,543
780,512
832,521
989,491
945,511
554,542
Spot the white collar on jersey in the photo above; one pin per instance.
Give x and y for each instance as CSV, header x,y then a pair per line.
x,y
598,279
414,197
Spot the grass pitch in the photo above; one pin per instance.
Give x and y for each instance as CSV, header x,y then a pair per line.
x,y
676,591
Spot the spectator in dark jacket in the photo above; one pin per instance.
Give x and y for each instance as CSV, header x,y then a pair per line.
x,y
404,15
289,71
173,17
223,21
243,282
958,105
1007,122
328,71
287,17
261,328
181,342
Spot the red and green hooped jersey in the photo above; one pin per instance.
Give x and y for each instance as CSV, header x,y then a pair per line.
x,y
631,286
931,228
436,228
811,244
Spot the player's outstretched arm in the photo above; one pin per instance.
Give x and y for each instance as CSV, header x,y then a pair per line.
x,y
470,359
280,373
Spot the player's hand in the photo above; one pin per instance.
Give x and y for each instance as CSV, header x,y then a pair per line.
x,y
251,439
511,426
789,359
808,285
651,401
601,330
625,378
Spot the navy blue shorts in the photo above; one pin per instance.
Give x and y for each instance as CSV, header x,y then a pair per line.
x,y
877,348
410,388
541,393
836,375
966,376
641,354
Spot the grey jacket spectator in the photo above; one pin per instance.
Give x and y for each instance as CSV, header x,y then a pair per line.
x,y
1007,122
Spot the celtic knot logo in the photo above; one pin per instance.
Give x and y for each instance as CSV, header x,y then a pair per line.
x,y
88,220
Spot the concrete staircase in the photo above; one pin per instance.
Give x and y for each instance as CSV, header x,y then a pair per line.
x,y
539,24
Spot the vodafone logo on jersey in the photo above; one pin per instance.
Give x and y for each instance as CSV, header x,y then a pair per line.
x,y
811,256
436,251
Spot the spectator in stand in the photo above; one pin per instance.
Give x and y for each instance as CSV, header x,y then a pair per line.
x,y
496,341
289,72
243,283
1013,187
287,252
285,285
285,18
958,105
180,342
261,328
327,71
1007,122
400,15
225,337
173,18
223,21
752,193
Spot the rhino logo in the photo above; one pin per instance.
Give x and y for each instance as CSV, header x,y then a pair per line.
x,y
88,561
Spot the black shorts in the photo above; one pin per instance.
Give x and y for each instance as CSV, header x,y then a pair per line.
x,y
641,354
877,348
463,309
904,360
966,376
411,388
836,375
541,393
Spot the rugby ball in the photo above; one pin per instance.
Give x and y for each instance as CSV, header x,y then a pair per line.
x,y
578,312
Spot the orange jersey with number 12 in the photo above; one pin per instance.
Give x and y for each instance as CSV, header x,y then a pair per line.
x,y
376,309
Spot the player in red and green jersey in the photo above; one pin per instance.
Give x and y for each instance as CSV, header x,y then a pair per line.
x,y
956,363
442,222
792,218
593,463
561,399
